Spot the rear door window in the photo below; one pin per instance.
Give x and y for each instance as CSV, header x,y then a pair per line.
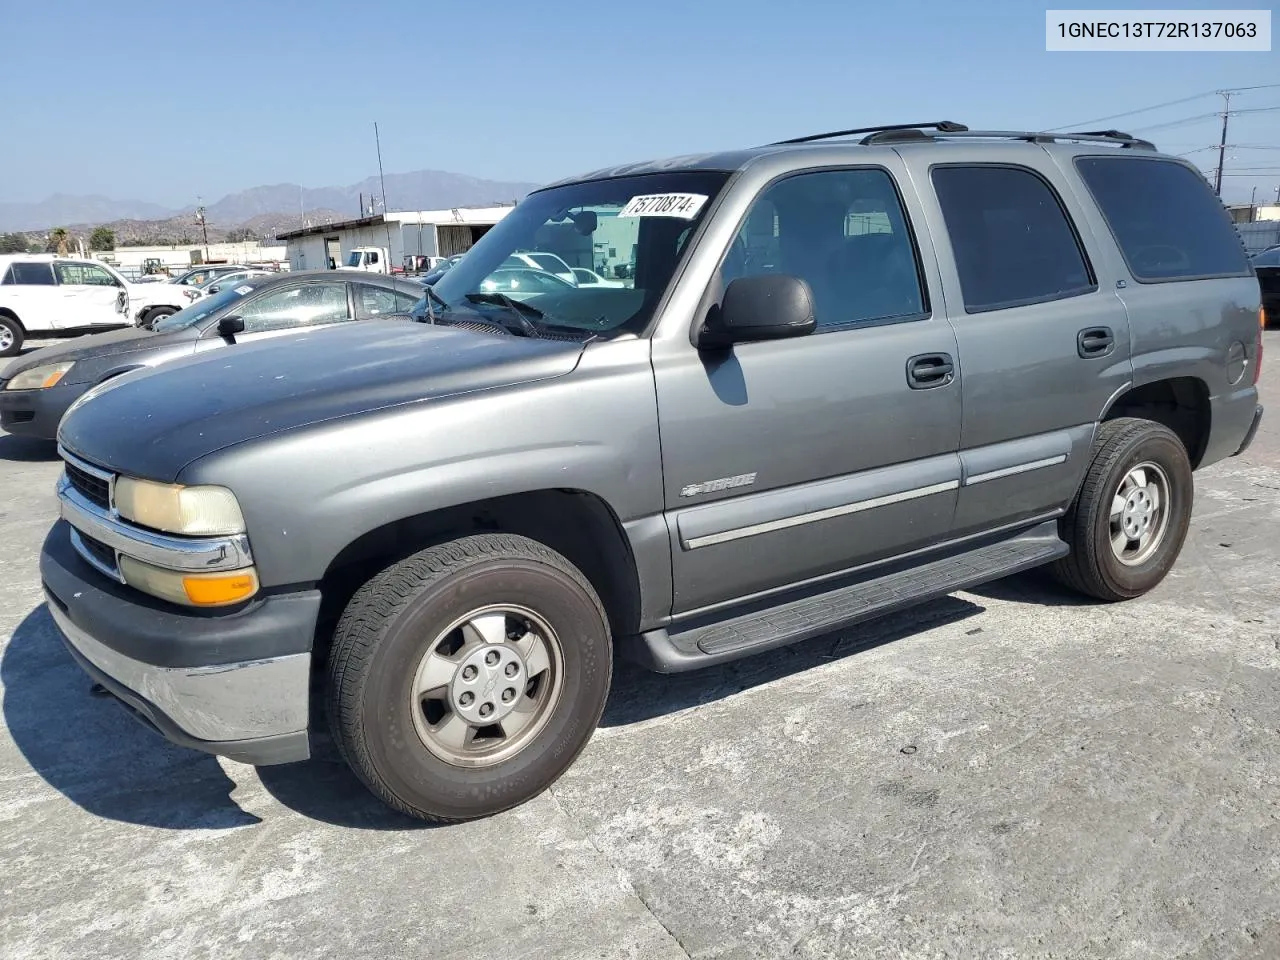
x,y
374,301
30,274
1165,219
1012,240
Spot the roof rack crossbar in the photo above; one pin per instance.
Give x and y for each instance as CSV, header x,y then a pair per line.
x,y
942,126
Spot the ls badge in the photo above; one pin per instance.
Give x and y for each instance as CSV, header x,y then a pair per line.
x,y
714,486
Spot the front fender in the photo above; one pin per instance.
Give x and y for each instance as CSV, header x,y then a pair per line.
x,y
309,492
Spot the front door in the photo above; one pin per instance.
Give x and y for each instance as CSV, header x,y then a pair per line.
x,y
289,309
90,295
789,460
1043,338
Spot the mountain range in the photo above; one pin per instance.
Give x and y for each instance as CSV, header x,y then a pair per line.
x,y
419,190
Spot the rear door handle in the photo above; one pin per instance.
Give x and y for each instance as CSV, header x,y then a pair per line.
x,y
1095,342
928,370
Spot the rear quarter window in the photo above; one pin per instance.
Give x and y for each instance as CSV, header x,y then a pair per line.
x,y
1167,222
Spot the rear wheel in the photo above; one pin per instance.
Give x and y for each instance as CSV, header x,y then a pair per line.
x,y
466,679
11,336
1129,520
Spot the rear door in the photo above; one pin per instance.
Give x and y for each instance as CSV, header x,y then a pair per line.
x,y
1043,339
28,289
90,296
790,460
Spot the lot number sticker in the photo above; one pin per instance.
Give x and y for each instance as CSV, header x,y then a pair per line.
x,y
682,205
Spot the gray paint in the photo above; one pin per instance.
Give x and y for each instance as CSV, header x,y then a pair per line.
x,y
325,439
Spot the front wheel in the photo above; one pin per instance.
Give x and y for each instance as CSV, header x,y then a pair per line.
x,y
1129,520
154,314
465,680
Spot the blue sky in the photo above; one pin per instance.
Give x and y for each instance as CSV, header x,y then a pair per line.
x,y
142,100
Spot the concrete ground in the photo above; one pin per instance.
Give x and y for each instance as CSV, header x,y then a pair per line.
x,y
1005,773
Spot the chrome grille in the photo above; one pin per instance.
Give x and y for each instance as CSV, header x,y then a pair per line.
x,y
93,488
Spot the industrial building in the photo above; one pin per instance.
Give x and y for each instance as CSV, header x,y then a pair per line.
x,y
432,233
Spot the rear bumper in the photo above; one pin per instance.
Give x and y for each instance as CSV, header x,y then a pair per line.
x,y
236,685
36,413
1253,431
1233,418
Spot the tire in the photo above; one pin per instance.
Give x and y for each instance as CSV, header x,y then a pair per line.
x,y
1096,568
398,625
156,313
11,336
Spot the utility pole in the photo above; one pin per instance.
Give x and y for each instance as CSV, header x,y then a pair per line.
x,y
383,184
204,228
1222,144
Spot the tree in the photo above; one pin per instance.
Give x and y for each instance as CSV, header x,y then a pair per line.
x,y
102,238
59,241
13,243
241,235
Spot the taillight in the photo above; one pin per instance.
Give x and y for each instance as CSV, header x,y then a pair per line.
x,y
1257,350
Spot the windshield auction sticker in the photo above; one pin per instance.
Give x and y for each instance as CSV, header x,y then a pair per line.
x,y
682,205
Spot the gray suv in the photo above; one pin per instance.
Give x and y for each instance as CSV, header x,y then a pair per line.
x,y
849,373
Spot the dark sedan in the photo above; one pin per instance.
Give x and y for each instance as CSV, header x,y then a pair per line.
x,y
1267,266
36,389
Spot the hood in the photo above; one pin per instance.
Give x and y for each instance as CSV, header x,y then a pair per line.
x,y
113,343
153,423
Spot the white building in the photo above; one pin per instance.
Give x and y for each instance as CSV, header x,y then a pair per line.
x,y
432,233
185,255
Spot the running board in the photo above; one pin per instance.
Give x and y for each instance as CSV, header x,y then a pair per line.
x,y
677,650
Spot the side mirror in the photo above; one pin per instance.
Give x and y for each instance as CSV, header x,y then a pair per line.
x,y
230,326
767,307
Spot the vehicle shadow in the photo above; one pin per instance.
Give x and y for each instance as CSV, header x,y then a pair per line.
x,y
1033,586
27,449
94,753
639,694
112,767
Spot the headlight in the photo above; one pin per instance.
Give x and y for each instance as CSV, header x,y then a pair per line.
x,y
38,378
190,589
194,511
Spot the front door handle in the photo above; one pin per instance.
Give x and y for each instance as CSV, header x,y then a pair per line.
x,y
1095,342
928,370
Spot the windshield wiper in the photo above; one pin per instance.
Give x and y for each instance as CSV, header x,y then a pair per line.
x,y
528,316
432,295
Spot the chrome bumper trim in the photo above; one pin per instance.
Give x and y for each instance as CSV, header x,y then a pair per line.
x,y
231,701
171,553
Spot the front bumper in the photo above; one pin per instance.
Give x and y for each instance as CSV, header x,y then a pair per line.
x,y
236,685
36,413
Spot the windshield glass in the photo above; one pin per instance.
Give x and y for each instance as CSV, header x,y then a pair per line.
x,y
631,230
353,258
201,309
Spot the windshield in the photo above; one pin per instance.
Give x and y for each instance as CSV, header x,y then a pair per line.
x,y
353,258
201,309
631,230
1267,258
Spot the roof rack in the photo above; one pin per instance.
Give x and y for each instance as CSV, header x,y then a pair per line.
x,y
942,126
948,129
1040,136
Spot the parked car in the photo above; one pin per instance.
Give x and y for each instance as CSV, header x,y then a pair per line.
x,y
203,273
225,280
46,294
549,262
1267,266
35,390
589,278
524,283
438,535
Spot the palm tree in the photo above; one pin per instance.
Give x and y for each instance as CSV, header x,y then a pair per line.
x,y
58,238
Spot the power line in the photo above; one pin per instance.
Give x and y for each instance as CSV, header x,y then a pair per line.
x,y
1161,106
1202,116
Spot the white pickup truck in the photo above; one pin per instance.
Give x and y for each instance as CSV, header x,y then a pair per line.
x,y
44,293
